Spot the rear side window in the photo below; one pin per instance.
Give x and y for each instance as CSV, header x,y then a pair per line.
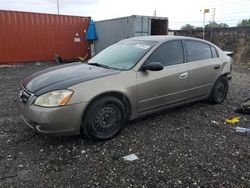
x,y
169,53
197,51
214,52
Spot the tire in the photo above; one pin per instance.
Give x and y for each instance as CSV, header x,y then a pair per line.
x,y
103,119
219,91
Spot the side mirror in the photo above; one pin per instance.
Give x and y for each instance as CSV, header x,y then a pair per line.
x,y
153,66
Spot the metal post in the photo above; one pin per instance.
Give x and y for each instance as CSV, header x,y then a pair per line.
x,y
204,25
155,13
58,7
212,25
214,14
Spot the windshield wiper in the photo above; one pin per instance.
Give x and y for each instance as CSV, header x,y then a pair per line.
x,y
100,65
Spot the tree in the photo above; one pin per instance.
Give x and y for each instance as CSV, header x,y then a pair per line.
x,y
198,28
223,25
210,25
187,27
213,24
245,22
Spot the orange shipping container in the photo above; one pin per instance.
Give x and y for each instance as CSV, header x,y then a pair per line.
x,y
27,37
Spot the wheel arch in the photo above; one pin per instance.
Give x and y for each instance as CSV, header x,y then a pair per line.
x,y
224,74
119,95
228,75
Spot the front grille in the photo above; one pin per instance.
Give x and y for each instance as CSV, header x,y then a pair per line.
x,y
24,96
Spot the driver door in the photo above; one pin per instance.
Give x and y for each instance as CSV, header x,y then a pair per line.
x,y
167,87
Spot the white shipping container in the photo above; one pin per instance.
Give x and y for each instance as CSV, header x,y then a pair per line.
x,y
114,30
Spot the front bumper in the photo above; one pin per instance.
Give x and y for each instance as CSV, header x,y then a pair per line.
x,y
56,121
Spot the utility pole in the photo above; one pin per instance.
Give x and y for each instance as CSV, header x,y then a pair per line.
x,y
204,17
213,18
57,6
155,13
203,33
213,14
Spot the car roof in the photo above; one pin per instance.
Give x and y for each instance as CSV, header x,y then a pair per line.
x,y
163,38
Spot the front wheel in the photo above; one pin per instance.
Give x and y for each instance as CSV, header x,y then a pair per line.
x,y
219,91
103,119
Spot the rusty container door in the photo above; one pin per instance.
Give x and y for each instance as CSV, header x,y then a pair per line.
x,y
27,37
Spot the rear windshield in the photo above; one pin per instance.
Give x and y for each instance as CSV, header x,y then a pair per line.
x,y
123,55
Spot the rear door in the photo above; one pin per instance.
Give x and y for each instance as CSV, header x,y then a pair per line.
x,y
166,87
203,67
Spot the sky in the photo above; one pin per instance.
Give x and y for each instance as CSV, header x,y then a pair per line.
x,y
179,12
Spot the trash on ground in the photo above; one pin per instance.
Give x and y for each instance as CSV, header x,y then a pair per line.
x,y
233,120
179,182
131,157
9,157
242,130
244,107
215,122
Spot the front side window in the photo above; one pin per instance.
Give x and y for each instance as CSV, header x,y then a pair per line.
x,y
123,55
196,50
169,53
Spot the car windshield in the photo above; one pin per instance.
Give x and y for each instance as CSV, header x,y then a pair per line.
x,y
122,55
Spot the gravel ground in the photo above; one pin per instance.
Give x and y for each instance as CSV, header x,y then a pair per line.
x,y
181,147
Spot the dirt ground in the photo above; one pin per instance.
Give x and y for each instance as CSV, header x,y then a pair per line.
x,y
189,146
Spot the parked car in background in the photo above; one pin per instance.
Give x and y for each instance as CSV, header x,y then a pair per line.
x,y
129,79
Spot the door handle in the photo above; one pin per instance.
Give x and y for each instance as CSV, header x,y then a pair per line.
x,y
183,75
217,66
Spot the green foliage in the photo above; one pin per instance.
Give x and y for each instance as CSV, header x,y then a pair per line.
x,y
198,28
187,27
212,24
245,22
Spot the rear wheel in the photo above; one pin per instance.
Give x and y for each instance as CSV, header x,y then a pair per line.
x,y
103,119
219,91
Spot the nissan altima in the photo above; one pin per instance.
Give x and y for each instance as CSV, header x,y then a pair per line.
x,y
129,79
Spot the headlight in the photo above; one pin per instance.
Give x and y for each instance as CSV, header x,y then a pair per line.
x,y
54,98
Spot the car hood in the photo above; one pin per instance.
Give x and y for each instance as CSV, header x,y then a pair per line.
x,y
64,76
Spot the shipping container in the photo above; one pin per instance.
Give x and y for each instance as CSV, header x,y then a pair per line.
x,y
27,37
114,30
